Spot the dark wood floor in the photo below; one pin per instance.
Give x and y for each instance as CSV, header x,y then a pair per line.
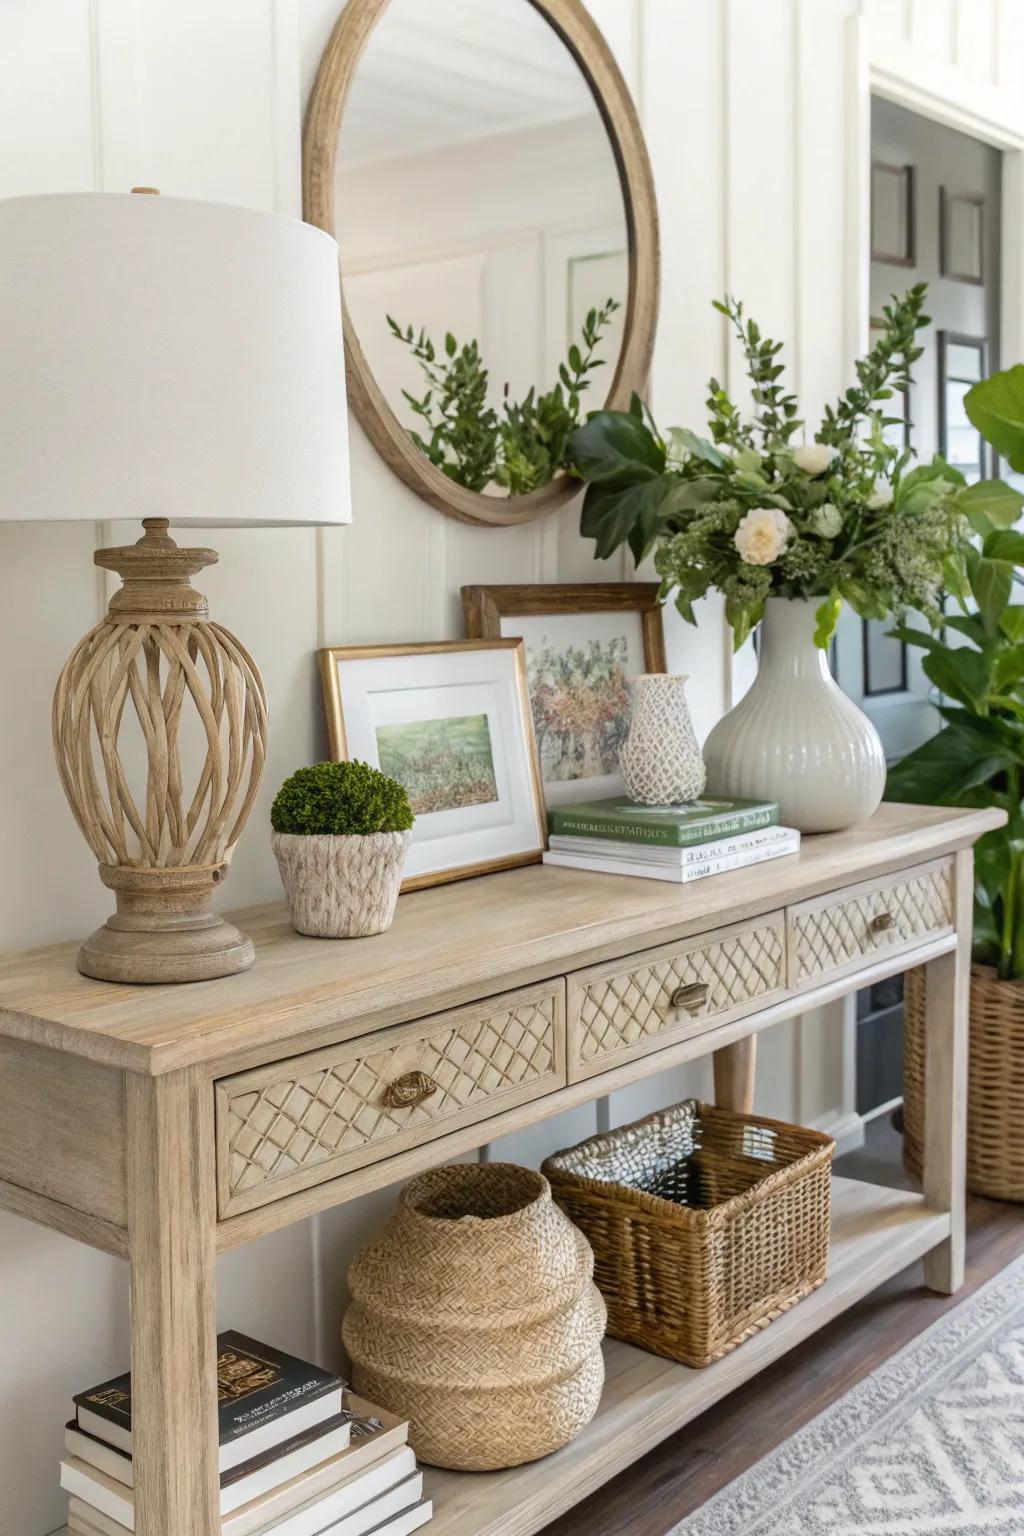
x,y
683,1472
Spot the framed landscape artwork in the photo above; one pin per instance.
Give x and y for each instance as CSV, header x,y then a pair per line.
x,y
451,722
584,642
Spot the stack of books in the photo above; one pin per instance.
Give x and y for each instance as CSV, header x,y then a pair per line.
x,y
667,842
299,1454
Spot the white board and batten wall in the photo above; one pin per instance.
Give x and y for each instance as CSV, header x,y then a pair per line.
x,y
744,107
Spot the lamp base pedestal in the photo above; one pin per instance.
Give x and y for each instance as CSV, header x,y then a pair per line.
x,y
164,929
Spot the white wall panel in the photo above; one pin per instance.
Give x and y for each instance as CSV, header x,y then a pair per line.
x,y
933,27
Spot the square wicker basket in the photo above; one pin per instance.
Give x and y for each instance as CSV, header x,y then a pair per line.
x,y
706,1225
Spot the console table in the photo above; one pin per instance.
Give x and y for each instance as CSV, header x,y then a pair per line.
x,y
165,1123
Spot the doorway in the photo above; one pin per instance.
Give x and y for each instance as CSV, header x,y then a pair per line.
x,y
935,218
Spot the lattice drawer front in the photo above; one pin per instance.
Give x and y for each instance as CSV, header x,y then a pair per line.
x,y
621,1011
311,1118
870,922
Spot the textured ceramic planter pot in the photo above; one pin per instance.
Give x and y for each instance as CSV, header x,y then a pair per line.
x,y
661,760
475,1315
341,887
795,737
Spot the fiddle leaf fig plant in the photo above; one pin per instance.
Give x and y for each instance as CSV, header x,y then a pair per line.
x,y
977,663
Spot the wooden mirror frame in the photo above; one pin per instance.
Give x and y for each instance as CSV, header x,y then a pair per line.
x,y
345,47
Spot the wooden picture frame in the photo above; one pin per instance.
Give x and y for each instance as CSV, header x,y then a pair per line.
x,y
573,24
486,706
906,255
538,613
948,203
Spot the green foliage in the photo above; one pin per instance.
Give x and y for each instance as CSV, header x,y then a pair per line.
x,y
978,756
522,448
341,800
859,525
996,407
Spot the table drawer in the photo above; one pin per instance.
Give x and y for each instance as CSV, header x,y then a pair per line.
x,y
845,930
630,1007
299,1122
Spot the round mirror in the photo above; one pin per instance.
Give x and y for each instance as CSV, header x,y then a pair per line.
x,y
483,170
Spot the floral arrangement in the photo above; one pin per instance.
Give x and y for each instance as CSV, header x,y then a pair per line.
x,y
753,512
523,446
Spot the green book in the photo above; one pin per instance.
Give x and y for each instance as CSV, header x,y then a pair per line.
x,y
671,826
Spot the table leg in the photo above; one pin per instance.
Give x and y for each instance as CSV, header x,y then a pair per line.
x,y
947,1007
172,1240
734,1075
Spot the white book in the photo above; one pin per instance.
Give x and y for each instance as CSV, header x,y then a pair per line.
x,y
391,1516
657,853
116,1503
678,874
243,1483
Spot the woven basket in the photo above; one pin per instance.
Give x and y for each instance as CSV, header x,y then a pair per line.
x,y
995,1083
475,1316
706,1225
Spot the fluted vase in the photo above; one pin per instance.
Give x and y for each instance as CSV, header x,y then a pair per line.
x,y
795,737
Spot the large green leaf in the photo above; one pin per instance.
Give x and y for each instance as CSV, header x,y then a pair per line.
x,y
1005,544
614,515
996,407
683,442
941,770
1011,622
991,504
615,449
991,583
960,673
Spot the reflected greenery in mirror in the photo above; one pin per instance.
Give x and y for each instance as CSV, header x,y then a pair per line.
x,y
522,446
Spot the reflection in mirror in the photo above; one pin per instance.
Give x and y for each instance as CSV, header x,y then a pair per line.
x,y
479,206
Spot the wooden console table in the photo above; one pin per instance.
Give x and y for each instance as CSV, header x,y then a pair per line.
x,y
165,1123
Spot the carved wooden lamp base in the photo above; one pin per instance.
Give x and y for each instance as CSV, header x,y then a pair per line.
x,y
120,702
164,929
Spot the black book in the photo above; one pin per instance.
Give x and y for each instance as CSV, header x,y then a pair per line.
x,y
265,1398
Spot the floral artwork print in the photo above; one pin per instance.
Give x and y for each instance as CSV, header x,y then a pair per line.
x,y
443,765
581,704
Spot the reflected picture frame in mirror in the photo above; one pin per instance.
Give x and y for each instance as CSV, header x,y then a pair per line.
x,y
579,34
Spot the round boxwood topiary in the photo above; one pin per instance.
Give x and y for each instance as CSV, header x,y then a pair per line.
x,y
340,800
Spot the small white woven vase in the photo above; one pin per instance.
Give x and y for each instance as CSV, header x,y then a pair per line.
x,y
795,737
661,760
341,887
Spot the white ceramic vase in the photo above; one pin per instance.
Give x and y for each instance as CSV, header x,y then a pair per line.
x,y
661,761
795,737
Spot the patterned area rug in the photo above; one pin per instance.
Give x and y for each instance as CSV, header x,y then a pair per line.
x,y
931,1444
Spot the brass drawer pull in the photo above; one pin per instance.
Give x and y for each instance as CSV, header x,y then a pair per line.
x,y
883,922
408,1091
691,997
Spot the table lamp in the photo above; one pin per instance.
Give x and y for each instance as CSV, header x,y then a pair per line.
x,y
166,360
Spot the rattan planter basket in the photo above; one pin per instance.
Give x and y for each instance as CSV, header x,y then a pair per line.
x,y
475,1316
995,1083
706,1225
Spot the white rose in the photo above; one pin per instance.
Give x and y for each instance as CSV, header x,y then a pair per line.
x,y
762,535
881,496
813,458
827,520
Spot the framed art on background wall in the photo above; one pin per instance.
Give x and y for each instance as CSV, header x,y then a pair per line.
x,y
451,722
584,642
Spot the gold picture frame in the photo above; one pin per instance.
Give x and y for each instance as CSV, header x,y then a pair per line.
x,y
576,768
512,783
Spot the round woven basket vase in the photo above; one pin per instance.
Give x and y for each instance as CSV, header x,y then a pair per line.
x,y
341,887
995,1083
475,1316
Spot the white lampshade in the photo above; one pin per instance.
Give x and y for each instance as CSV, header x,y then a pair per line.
x,y
168,358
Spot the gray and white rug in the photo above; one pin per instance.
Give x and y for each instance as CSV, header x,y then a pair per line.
x,y
931,1444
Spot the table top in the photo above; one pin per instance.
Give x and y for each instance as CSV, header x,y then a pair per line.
x,y
447,946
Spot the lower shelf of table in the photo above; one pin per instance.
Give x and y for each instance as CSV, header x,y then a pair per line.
x,y
876,1232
